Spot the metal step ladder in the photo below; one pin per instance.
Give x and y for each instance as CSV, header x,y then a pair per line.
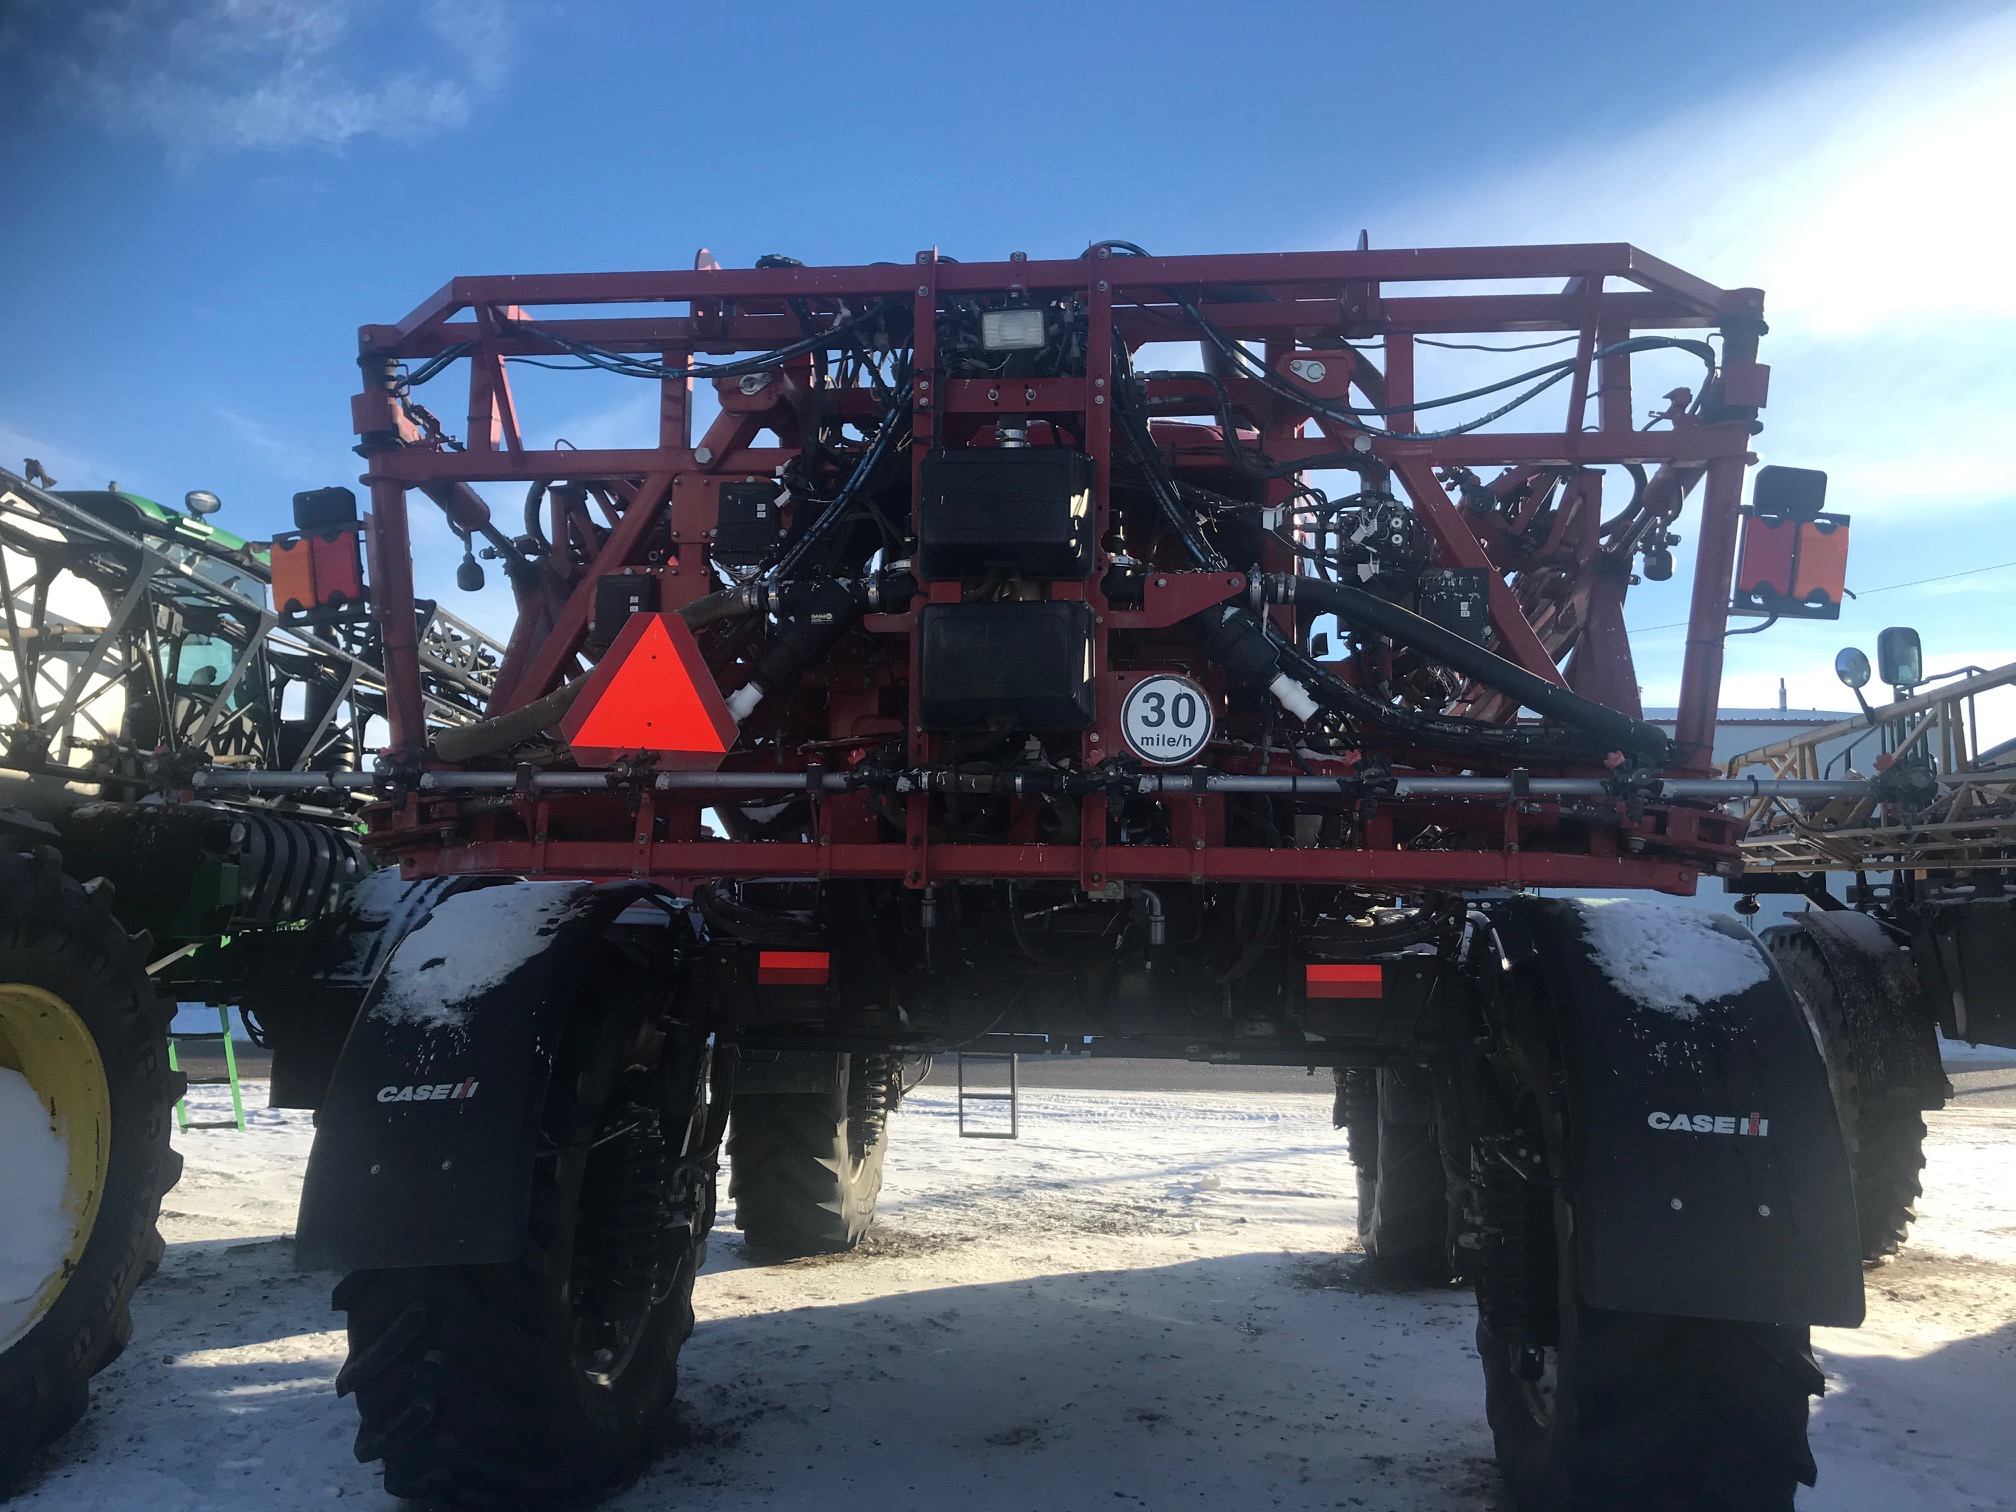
x,y
230,1077
989,1094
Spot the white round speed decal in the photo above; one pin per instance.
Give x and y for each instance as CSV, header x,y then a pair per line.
x,y
1166,719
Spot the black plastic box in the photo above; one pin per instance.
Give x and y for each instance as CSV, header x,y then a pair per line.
x,y
321,509
1456,598
1023,508
1020,666
619,595
747,522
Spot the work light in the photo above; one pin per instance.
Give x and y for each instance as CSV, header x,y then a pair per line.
x,y
1011,330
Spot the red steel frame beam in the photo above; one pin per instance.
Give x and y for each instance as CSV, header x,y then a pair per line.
x,y
743,309
1396,869
1595,260
1147,321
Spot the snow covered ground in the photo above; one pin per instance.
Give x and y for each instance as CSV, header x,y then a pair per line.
x,y
1147,1301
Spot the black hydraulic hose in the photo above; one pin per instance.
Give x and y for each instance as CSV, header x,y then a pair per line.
x,y
1368,612
1547,376
534,497
1250,649
810,631
637,367
1460,736
896,426
1133,428
487,736
815,616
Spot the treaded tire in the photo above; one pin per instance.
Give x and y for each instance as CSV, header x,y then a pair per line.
x,y
1656,1414
1403,1197
61,936
805,1168
1885,1135
470,1381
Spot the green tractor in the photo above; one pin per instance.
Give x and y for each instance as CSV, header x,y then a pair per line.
x,y
137,644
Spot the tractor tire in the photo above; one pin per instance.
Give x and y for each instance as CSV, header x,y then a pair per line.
x,y
1653,1413
549,1380
83,1045
1403,1197
1885,1134
805,1168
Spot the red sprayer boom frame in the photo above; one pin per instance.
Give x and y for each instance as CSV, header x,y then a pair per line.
x,y
1343,328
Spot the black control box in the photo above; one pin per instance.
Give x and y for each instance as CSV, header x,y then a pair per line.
x,y
1011,665
619,595
321,509
1026,509
747,522
1456,598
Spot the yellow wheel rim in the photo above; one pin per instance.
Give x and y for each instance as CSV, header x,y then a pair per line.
x,y
42,1037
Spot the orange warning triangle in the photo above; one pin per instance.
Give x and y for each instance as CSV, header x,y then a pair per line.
x,y
652,692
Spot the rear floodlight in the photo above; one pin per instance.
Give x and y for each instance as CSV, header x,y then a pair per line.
x,y
1011,330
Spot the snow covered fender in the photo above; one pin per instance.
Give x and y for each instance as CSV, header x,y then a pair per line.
x,y
1706,1165
425,1142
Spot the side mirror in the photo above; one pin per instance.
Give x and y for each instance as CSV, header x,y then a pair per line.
x,y
200,501
1900,658
1852,667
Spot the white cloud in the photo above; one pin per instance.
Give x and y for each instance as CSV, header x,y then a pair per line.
x,y
1867,197
287,456
230,75
1862,195
1866,194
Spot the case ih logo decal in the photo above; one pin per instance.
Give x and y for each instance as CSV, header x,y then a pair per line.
x,y
1711,1123
444,1092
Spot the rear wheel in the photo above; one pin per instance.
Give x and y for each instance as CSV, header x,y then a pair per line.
x,y
805,1168
1593,1411
85,1091
1653,1413
1403,1202
549,1380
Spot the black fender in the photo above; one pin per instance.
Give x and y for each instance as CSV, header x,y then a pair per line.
x,y
425,1141
1889,1027
1966,953
1704,1158
304,989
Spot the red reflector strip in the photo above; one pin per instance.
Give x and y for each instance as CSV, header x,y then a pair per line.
x,y
1327,980
792,968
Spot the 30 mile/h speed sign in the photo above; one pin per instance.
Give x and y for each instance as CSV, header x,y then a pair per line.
x,y
1166,719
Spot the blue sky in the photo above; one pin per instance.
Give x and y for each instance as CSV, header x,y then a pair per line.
x,y
208,197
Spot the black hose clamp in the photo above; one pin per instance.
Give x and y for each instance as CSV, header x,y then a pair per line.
x,y
1634,787
1911,785
634,775
396,778
1374,781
